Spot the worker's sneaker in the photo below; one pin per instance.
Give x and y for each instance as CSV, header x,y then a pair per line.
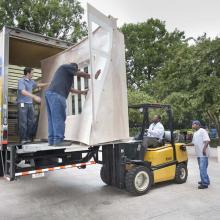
x,y
23,164
63,144
24,142
202,187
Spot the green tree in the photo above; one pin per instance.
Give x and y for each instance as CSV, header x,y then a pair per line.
x,y
148,46
139,97
190,82
135,116
53,18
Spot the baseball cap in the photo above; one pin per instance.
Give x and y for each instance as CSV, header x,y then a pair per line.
x,y
196,122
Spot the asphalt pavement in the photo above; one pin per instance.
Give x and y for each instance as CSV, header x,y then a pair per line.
x,y
81,195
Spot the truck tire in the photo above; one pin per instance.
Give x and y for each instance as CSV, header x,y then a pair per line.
x,y
181,173
104,175
1,168
138,180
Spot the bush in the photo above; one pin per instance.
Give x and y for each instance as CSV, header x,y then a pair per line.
x,y
214,142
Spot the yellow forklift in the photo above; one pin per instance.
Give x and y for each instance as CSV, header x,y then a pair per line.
x,y
135,166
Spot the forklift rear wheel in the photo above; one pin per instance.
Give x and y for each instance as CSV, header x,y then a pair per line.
x,y
181,173
138,180
104,175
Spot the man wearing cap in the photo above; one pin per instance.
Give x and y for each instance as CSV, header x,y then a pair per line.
x,y
201,142
56,95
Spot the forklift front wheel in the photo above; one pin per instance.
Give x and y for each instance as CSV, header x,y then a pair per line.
x,y
181,173
138,180
105,176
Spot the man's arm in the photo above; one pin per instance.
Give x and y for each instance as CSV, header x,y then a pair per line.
x,y
87,75
83,74
189,144
79,92
206,141
21,87
206,144
41,85
34,97
157,132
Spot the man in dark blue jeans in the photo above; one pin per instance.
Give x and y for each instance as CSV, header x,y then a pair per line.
x,y
25,105
56,95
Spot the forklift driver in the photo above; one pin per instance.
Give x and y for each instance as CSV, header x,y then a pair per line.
x,y
155,133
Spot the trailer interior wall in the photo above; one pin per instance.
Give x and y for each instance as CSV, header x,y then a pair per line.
x,y
25,50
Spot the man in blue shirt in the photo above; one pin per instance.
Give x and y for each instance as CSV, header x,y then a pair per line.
x,y
25,105
56,95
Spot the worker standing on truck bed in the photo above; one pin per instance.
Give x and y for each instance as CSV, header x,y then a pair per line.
x,y
25,105
56,95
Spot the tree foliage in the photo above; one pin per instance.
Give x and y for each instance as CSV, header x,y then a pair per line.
x,y
190,82
148,46
164,67
53,18
135,115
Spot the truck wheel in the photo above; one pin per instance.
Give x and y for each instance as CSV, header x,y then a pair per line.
x,y
181,173
104,176
1,167
138,180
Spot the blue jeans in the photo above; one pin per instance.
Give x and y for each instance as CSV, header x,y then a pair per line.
x,y
26,119
56,113
203,165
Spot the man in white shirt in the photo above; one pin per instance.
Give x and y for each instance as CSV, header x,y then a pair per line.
x,y
156,129
155,132
201,142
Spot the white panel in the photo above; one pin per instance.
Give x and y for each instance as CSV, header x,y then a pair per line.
x,y
69,105
76,103
82,81
104,115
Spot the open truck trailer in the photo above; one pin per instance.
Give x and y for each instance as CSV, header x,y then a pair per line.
x,y
125,162
18,49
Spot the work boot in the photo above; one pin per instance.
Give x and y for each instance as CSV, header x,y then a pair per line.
x,y
202,187
63,144
200,183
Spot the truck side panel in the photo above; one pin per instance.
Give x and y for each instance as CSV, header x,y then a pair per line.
x,y
4,46
1,72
